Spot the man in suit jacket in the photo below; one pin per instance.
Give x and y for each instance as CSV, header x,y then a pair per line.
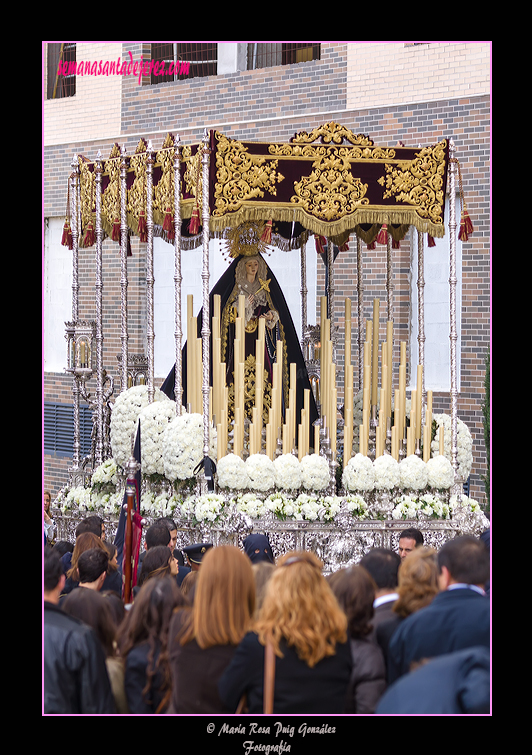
x,y
457,618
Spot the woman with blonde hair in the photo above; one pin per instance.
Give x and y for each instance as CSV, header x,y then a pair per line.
x,y
302,621
417,586
203,638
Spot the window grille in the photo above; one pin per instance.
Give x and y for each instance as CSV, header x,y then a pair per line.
x,y
184,60
268,54
61,84
58,420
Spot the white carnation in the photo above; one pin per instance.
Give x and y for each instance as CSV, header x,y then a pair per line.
x,y
287,472
124,416
358,473
413,471
260,471
440,473
232,473
183,446
315,472
386,471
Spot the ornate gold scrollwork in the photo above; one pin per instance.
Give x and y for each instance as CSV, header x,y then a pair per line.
x,y
332,132
111,195
331,191
163,191
241,176
136,195
419,182
87,180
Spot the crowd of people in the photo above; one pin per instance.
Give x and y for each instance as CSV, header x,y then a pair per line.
x,y
404,632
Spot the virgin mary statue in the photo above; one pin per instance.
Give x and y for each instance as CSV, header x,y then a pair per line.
x,y
250,276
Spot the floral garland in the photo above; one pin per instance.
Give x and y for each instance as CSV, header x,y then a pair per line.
x,y
154,420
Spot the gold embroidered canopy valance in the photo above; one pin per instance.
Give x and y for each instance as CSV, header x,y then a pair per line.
x,y
329,182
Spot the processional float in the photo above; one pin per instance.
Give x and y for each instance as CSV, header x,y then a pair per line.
x,y
330,183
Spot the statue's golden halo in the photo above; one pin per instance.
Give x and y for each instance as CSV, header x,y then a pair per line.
x,y
246,240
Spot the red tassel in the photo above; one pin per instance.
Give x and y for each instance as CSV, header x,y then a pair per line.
x,y
382,238
344,247
395,244
115,235
143,227
372,245
466,226
320,244
66,238
267,232
88,239
168,224
194,224
431,241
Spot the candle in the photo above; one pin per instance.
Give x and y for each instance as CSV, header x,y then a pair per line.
x,y
413,412
441,439
347,356
316,439
395,443
375,365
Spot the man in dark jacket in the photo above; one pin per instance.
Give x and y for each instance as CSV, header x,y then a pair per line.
x,y
458,617
75,679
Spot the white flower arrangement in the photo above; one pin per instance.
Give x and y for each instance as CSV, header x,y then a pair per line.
x,y
124,416
105,474
204,508
357,506
332,505
405,508
287,472
440,473
359,473
432,507
183,446
154,420
386,470
413,473
281,505
260,471
249,504
464,443
232,473
315,472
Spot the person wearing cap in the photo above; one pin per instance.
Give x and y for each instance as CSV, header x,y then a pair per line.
x,y
195,553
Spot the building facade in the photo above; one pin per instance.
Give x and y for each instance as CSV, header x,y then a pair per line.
x,y
414,93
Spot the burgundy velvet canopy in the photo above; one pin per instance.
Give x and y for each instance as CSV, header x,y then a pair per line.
x,y
329,182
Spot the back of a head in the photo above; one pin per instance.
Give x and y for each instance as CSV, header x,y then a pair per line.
x,y
92,564
149,616
355,589
157,534
224,597
383,565
418,581
52,569
90,524
84,542
317,625
93,609
466,559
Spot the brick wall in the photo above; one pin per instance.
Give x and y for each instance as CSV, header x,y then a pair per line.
x,y
273,104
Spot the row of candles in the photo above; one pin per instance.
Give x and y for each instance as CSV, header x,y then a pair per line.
x,y
377,402
376,429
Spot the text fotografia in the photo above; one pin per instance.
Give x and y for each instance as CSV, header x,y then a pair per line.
x,y
138,68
